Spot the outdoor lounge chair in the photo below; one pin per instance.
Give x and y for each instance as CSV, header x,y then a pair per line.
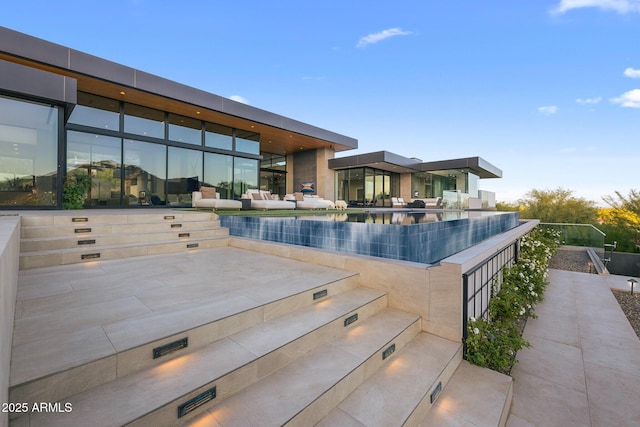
x,y
207,197
263,200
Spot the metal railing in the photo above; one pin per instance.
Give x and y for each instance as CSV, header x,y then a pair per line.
x,y
478,285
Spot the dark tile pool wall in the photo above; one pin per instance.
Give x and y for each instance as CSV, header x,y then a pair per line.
x,y
425,243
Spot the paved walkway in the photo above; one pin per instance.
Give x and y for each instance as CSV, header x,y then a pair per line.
x,y
583,368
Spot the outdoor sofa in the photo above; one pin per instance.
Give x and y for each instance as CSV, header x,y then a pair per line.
x,y
207,197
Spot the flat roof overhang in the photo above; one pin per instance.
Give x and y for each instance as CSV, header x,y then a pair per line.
x,y
383,160
475,165
278,134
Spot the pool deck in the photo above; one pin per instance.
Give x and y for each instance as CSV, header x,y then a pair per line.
x,y
583,368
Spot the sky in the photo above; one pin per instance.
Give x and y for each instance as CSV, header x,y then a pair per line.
x,y
548,91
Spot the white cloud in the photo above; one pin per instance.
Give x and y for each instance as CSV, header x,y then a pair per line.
x,y
629,99
620,6
382,35
630,72
595,100
238,98
548,110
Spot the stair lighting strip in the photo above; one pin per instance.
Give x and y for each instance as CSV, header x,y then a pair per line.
x,y
90,256
169,217
82,230
87,242
169,348
76,219
192,404
184,234
192,245
389,351
349,320
320,294
176,225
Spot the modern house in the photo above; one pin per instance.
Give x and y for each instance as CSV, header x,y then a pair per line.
x,y
146,141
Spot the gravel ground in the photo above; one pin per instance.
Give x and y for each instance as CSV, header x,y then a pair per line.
x,y
579,261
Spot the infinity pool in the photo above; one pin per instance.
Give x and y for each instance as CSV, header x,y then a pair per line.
x,y
410,236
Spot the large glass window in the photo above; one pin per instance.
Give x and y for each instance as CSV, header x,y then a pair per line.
x,y
185,175
185,129
96,111
143,121
218,136
145,171
245,173
97,157
218,172
28,153
247,142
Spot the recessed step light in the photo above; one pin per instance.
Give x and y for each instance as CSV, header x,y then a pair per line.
x,y
176,225
184,235
87,242
90,256
436,391
192,404
169,217
320,294
192,245
349,320
78,219
82,230
389,351
169,348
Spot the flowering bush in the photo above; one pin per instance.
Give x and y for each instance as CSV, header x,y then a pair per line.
x,y
494,341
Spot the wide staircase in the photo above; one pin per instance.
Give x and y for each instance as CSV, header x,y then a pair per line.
x,y
320,349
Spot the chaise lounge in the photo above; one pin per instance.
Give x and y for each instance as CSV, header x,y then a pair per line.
x,y
312,202
207,197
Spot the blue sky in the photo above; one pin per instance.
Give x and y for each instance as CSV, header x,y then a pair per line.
x,y
546,90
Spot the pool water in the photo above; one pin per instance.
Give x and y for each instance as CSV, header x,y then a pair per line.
x,y
410,236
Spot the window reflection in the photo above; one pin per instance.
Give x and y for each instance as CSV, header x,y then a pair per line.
x,y
185,175
245,173
247,142
218,173
28,152
97,157
218,136
143,121
96,111
185,129
145,173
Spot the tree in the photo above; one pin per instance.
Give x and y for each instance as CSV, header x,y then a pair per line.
x,y
624,214
557,206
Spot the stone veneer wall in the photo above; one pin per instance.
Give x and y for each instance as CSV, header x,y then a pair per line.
x,y
9,261
432,292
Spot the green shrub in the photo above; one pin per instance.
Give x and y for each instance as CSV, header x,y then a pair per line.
x,y
74,191
493,342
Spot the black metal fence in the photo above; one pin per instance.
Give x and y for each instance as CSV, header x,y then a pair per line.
x,y
478,284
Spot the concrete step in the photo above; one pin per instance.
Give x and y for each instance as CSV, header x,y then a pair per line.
x,y
474,397
304,391
49,258
403,391
153,395
95,240
81,230
98,349
116,216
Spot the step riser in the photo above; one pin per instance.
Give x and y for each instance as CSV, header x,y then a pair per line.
x,y
62,258
106,240
87,229
313,413
92,218
126,362
423,408
240,379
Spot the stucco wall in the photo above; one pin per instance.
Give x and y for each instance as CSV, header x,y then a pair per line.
x,y
9,258
432,292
